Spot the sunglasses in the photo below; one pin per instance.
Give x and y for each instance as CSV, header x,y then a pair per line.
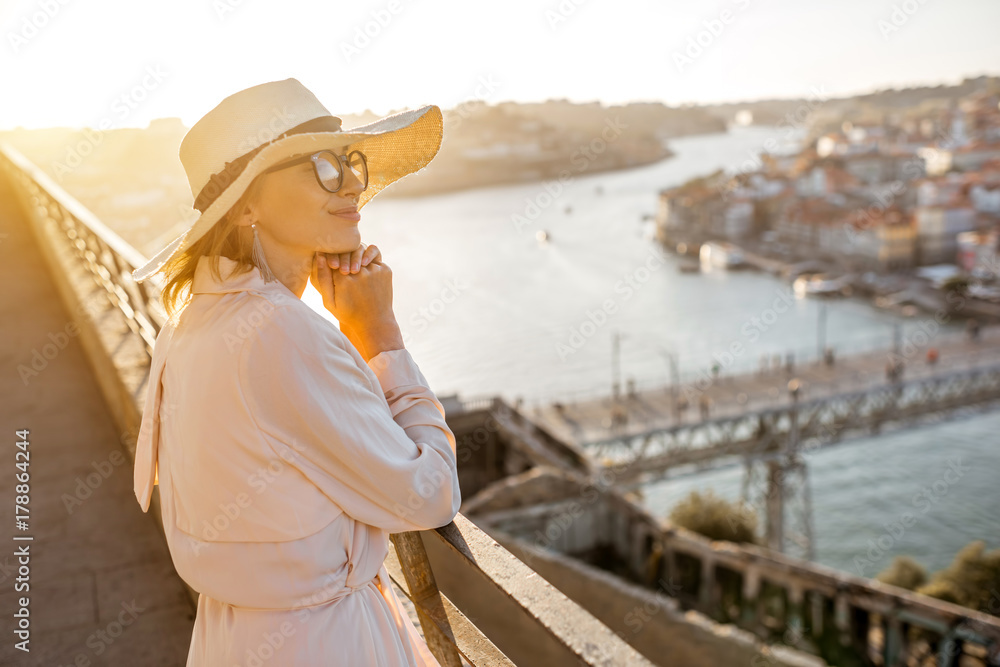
x,y
328,169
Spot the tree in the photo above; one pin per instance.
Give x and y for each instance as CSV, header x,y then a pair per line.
x,y
959,285
971,580
716,518
905,573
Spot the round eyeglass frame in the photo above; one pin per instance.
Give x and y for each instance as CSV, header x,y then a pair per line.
x,y
344,160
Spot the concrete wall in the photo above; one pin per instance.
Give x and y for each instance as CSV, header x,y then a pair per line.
x,y
652,623
508,625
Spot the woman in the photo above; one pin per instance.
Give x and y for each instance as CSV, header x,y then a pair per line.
x,y
286,450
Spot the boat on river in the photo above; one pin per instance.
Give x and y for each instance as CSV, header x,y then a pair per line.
x,y
818,284
721,255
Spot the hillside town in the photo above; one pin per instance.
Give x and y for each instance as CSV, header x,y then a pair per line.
x,y
904,207
148,199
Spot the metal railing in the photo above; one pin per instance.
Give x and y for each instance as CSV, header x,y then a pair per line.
x,y
107,258
698,372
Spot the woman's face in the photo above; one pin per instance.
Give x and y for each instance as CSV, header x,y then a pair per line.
x,y
297,213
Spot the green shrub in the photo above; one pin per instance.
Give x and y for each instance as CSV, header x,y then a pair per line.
x,y
971,579
945,591
716,518
905,573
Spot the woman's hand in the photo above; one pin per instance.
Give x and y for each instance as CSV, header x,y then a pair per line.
x,y
361,301
321,279
352,261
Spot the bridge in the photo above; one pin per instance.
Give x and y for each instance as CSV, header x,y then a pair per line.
x,y
851,395
78,339
767,420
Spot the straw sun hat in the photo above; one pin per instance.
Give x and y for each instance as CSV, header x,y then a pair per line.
x,y
260,126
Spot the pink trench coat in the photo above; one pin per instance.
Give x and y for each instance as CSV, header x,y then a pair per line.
x,y
284,461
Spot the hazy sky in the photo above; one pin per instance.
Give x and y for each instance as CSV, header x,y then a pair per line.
x,y
77,62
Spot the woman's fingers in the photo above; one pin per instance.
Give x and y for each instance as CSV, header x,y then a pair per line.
x,y
356,258
371,254
351,262
363,256
341,260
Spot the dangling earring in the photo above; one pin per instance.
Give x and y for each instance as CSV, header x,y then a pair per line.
x,y
257,255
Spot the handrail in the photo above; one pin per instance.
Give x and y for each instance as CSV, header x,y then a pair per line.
x,y
546,619
440,619
107,257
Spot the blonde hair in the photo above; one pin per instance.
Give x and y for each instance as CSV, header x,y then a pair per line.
x,y
225,238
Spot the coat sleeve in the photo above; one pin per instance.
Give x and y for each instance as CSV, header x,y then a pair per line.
x,y
374,439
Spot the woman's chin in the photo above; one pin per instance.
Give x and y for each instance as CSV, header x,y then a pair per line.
x,y
346,242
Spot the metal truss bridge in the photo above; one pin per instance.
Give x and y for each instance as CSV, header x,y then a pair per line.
x,y
769,421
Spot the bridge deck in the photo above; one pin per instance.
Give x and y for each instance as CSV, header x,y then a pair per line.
x,y
590,420
93,559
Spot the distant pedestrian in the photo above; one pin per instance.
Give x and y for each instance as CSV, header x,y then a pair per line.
x,y
682,405
932,356
705,405
619,416
972,328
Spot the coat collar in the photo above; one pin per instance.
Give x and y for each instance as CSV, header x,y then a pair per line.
x,y
146,473
205,282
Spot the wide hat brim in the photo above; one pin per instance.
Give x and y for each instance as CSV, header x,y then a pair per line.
x,y
394,146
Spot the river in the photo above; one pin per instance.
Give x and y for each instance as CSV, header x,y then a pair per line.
x,y
486,308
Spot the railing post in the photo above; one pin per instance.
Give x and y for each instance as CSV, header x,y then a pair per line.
x,y
816,619
426,597
843,621
859,624
670,564
949,650
892,639
750,614
793,614
707,588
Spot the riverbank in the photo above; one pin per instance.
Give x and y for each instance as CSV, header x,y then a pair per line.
x,y
900,292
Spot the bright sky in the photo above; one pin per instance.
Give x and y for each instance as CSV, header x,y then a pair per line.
x,y
70,62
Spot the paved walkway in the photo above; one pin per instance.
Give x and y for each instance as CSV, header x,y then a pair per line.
x,y
94,561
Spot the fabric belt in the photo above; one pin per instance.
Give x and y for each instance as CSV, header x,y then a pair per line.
x,y
381,580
